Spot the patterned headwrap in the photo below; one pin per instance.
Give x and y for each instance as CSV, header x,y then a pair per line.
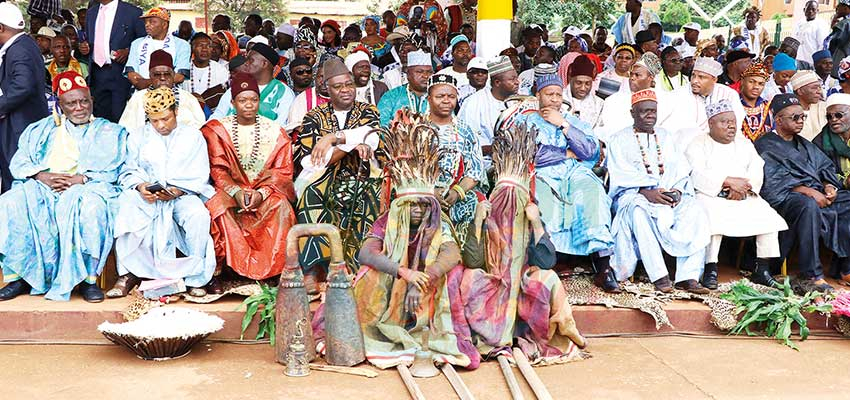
x,y
159,100
649,61
306,35
718,107
756,68
229,45
703,44
624,47
375,18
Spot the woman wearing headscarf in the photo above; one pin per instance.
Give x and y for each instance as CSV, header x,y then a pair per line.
x,y
373,41
229,45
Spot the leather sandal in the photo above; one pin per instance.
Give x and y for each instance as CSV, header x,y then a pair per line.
x,y
845,280
123,286
196,292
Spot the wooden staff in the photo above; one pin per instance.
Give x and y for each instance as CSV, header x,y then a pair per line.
x,y
457,383
531,377
508,372
412,387
344,370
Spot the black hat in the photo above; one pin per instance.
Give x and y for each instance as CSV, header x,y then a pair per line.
x,y
736,55
236,62
783,100
643,37
266,52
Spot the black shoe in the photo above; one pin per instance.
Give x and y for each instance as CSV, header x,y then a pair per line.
x,y
91,293
709,276
663,284
606,280
762,276
14,289
692,286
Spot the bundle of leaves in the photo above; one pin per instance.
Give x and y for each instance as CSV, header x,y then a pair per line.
x,y
841,304
774,310
264,303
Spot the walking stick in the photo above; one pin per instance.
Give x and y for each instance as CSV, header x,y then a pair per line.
x,y
531,377
457,383
411,385
508,372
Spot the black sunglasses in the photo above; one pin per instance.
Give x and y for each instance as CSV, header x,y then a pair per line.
x,y
838,115
302,72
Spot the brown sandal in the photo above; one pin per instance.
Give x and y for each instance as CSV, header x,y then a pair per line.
x,y
123,286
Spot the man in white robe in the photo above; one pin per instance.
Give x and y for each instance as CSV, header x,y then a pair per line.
x,y
616,110
481,110
654,204
584,104
704,90
189,113
151,225
727,176
807,87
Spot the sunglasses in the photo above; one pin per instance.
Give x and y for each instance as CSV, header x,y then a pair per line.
x,y
302,72
835,116
798,117
304,47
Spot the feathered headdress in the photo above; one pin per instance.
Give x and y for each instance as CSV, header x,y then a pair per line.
x,y
514,149
414,149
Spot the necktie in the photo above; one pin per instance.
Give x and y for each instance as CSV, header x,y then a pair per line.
x,y
101,45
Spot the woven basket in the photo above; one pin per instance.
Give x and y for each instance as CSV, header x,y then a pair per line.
x,y
164,333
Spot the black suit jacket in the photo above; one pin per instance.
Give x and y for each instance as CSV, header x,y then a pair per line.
x,y
126,28
23,101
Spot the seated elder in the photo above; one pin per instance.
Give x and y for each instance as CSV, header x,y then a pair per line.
x,y
251,169
55,224
165,179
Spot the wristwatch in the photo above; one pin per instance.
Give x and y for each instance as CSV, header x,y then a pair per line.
x,y
338,135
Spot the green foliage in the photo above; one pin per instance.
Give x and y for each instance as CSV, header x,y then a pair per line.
x,y
674,14
239,9
776,310
264,303
712,7
558,13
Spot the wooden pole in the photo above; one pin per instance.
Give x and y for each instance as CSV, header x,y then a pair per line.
x,y
412,387
457,383
531,377
508,372
345,370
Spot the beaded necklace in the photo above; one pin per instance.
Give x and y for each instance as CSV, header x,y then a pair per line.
x,y
192,80
253,158
415,102
643,153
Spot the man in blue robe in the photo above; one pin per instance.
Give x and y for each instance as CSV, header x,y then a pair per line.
x,y
56,222
575,207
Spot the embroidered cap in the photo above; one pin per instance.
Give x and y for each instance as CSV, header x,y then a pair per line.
x,y
243,82
836,99
68,81
708,65
544,69
499,65
782,101
159,100
644,95
784,62
719,107
820,55
803,78
442,79
790,43
649,61
158,12
756,68
549,80
419,58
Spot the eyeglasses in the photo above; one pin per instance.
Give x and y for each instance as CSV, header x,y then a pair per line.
x,y
798,117
340,86
302,72
304,47
836,116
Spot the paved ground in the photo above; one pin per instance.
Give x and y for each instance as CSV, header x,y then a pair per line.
x,y
621,368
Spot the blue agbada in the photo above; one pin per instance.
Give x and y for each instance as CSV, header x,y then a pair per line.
x,y
399,98
574,205
54,240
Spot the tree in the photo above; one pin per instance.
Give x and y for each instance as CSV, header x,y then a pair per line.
x,y
559,13
239,9
674,14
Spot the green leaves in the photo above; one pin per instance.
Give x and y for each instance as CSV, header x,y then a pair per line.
x,y
264,303
775,310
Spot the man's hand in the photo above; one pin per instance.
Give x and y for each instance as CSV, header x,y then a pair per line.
x,y
532,212
412,299
364,151
817,196
481,212
248,200
121,55
321,148
656,196
142,188
553,116
418,279
740,185
449,199
70,180
165,196
256,201
58,182
831,193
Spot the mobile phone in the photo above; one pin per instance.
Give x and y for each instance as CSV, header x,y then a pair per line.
x,y
673,195
153,188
